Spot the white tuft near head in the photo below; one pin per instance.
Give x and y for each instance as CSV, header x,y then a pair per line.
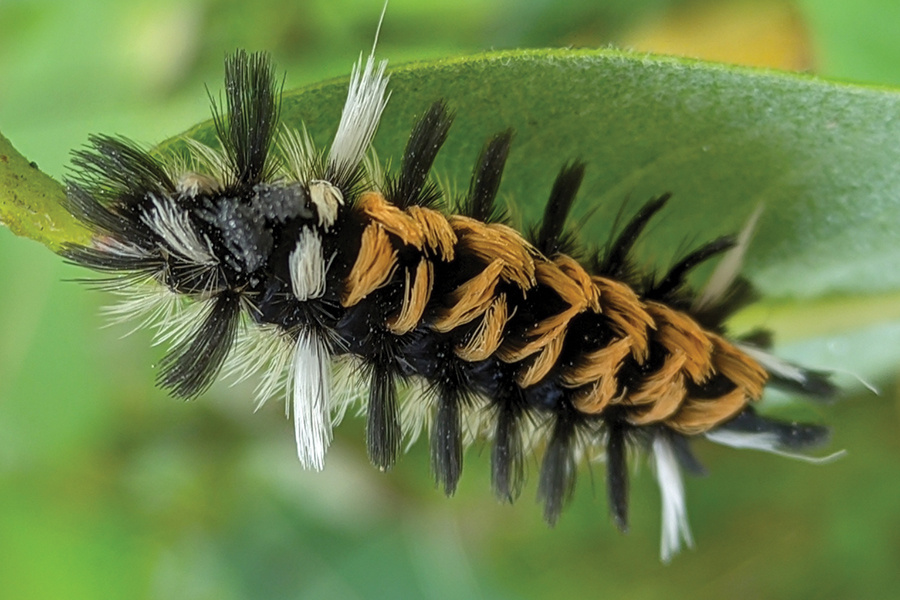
x,y
366,100
327,199
307,265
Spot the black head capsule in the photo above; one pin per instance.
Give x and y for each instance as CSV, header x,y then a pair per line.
x,y
246,231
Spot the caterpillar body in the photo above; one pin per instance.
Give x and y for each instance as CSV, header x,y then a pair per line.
x,y
270,256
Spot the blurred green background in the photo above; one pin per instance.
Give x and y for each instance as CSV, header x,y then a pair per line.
x,y
109,489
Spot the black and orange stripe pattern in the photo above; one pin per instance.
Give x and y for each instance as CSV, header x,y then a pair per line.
x,y
542,344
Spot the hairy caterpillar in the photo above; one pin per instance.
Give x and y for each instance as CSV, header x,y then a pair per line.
x,y
269,255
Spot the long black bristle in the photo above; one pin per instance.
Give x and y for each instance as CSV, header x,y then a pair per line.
x,y
117,169
614,261
480,201
550,239
558,468
760,337
190,367
446,441
507,460
673,280
790,435
617,473
112,221
685,455
741,293
816,384
383,433
136,266
428,135
247,130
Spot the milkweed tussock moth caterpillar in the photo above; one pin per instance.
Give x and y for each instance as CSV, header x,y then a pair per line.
x,y
271,257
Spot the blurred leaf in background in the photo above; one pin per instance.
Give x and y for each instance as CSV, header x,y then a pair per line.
x,y
110,489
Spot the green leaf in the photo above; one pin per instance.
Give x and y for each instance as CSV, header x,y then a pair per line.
x,y
819,156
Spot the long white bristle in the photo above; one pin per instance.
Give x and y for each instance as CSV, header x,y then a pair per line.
x,y
208,160
309,382
767,442
729,267
300,153
366,100
675,527
774,365
174,226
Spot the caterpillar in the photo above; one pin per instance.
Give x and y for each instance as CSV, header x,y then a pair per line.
x,y
270,256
